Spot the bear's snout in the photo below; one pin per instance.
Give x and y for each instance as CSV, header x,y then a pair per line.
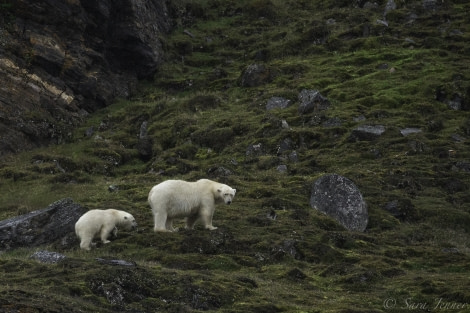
x,y
229,201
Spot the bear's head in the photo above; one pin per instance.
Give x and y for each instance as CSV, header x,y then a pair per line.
x,y
128,222
226,193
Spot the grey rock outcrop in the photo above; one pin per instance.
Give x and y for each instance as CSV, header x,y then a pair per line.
x,y
339,198
60,60
45,226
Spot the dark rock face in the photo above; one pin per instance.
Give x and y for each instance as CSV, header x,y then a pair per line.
x,y
338,197
39,227
145,143
61,60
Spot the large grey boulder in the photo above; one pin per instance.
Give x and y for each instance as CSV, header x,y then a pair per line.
x,y
339,198
40,227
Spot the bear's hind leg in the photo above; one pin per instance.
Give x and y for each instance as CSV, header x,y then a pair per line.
x,y
160,219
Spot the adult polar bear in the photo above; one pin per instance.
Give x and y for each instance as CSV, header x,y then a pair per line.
x,y
193,200
101,223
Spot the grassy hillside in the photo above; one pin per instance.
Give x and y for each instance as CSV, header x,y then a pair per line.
x,y
414,254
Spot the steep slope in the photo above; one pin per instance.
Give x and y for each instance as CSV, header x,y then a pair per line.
x,y
401,68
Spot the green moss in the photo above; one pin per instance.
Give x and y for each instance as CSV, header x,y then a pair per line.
x,y
272,252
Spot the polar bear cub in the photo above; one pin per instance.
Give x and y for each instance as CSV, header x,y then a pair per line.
x,y
100,224
195,201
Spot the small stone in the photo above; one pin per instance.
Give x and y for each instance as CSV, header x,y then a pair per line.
x,y
293,157
115,262
277,103
255,75
47,257
367,132
359,118
284,124
254,150
282,168
408,131
89,132
312,100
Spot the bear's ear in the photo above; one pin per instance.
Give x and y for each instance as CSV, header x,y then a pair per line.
x,y
234,191
219,190
125,217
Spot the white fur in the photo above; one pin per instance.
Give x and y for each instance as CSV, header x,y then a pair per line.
x,y
100,224
193,200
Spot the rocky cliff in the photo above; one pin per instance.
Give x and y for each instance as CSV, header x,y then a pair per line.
x,y
60,60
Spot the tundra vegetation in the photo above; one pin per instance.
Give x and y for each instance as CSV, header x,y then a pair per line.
x,y
404,68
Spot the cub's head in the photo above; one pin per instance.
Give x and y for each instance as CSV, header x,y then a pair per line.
x,y
226,193
128,221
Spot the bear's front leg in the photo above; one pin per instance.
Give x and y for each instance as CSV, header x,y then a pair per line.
x,y
206,218
105,232
85,243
